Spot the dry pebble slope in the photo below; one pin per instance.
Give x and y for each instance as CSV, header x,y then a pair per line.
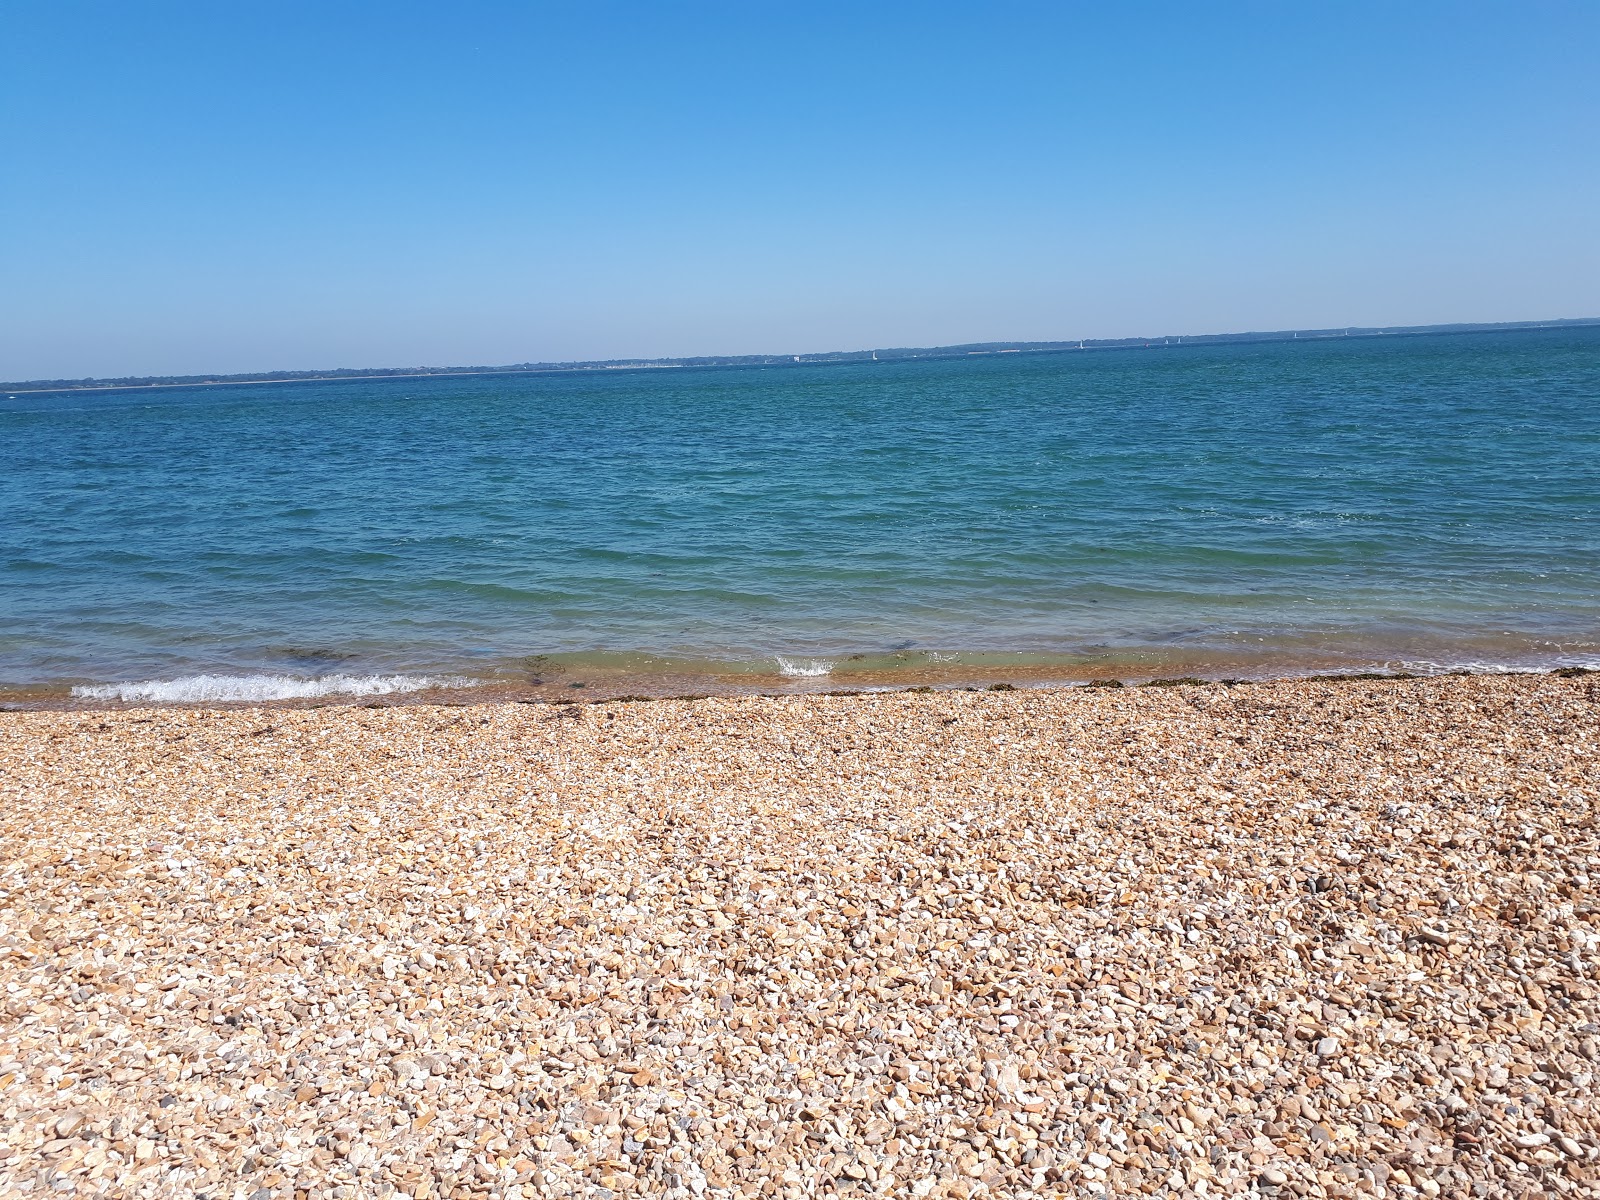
x,y
1312,939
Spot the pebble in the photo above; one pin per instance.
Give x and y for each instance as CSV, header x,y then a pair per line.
x,y
1333,938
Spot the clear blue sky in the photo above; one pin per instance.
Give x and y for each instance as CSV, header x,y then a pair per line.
x,y
248,185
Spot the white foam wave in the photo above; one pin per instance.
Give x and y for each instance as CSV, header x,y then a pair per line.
x,y
1473,666
194,688
810,669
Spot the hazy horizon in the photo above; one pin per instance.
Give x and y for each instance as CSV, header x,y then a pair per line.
x,y
822,356
224,191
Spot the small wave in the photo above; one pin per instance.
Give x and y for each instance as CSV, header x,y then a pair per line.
x,y
811,669
264,687
1535,664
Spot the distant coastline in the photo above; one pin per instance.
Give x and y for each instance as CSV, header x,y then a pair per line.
x,y
879,354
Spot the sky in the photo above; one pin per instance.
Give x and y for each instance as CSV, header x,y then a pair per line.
x,y
205,188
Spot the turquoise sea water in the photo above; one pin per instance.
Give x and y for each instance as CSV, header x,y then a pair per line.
x,y
1421,502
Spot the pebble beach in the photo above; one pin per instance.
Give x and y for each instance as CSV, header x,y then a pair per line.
x,y
1301,938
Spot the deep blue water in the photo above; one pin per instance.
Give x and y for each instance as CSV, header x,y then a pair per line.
x,y
1425,500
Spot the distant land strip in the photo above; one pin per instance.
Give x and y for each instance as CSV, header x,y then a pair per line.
x,y
880,354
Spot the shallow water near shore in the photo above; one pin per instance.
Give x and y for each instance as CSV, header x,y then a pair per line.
x,y
1418,504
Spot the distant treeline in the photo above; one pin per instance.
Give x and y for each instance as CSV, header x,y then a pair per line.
x,y
744,360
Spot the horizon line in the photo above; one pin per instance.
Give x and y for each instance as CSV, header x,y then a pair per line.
x,y
814,358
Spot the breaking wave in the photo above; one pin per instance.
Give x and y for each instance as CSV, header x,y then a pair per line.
x,y
265,687
810,669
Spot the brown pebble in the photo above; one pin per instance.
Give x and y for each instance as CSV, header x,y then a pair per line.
x,y
1001,943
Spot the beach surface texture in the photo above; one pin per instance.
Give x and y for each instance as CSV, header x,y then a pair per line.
x,y
1303,938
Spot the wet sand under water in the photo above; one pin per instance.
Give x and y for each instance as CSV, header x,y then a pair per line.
x,y
574,681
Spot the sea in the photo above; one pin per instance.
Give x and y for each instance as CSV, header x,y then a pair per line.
x,y
1401,504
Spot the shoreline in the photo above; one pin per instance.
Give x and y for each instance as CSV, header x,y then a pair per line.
x,y
598,688
1299,937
